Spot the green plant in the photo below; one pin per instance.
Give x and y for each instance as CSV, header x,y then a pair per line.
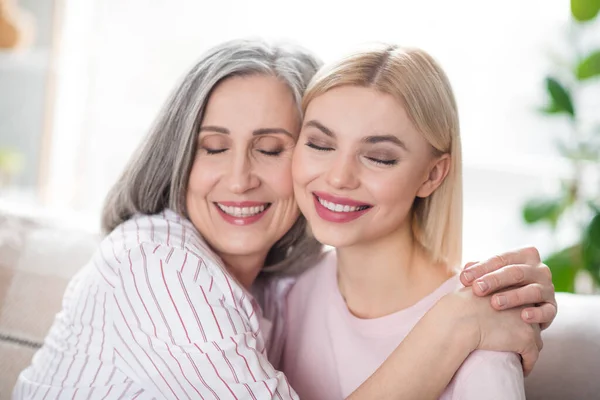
x,y
11,162
578,201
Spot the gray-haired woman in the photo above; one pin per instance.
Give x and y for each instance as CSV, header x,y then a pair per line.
x,y
185,296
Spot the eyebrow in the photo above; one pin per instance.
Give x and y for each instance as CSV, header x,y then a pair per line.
x,y
256,132
374,139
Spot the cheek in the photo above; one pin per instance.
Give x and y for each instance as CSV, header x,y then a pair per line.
x,y
306,167
203,177
397,189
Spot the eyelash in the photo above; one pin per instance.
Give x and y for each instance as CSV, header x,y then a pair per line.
x,y
266,153
318,148
375,160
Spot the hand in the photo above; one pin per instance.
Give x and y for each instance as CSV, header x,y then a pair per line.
x,y
497,331
518,278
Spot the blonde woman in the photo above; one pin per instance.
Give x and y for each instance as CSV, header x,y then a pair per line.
x,y
184,297
377,174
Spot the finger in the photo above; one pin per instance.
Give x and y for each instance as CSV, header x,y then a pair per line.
x,y
527,255
543,314
465,276
533,293
529,357
505,277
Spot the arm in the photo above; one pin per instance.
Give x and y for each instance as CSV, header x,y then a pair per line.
x,y
179,335
488,375
424,363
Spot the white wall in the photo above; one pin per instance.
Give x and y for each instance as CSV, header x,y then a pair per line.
x,y
125,56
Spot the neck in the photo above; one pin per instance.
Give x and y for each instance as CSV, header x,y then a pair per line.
x,y
244,268
387,275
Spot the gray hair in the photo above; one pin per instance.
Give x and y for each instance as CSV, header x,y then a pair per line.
x,y
157,175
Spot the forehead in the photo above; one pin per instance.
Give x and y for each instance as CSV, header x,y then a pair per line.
x,y
255,99
361,111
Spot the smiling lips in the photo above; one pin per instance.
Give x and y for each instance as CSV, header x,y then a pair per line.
x,y
241,213
338,209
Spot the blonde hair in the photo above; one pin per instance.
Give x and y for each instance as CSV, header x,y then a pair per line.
x,y
414,78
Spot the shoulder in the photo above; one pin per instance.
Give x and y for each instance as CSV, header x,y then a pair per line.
x,y
499,374
164,243
314,277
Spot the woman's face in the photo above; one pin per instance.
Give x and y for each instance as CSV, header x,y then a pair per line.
x,y
240,194
359,165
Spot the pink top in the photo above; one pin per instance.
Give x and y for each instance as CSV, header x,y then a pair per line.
x,y
329,352
155,315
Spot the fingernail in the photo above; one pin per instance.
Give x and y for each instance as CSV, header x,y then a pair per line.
x,y
501,300
483,286
528,315
468,276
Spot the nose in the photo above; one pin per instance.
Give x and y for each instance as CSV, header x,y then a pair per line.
x,y
242,177
342,173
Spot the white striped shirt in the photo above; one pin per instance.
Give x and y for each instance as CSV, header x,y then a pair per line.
x,y
155,315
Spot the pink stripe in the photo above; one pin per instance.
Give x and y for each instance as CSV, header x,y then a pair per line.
x,y
112,242
267,386
212,279
103,277
107,393
106,263
124,237
169,255
245,360
162,272
182,237
154,296
90,393
149,339
229,317
138,293
183,373
192,308
103,326
75,393
141,348
96,376
168,233
137,230
213,312
198,271
125,391
217,372
235,377
151,229
184,261
250,391
156,248
200,376
137,394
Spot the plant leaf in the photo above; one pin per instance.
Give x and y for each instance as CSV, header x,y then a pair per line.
x,y
589,67
537,210
591,248
584,10
561,98
564,265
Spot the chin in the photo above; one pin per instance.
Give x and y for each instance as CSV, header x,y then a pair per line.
x,y
334,237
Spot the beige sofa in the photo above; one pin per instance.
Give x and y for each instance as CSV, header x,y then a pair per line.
x,y
38,258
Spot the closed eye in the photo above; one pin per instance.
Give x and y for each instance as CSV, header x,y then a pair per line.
x,y
382,162
214,151
318,148
273,153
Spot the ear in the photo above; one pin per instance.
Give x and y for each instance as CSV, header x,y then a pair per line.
x,y
437,173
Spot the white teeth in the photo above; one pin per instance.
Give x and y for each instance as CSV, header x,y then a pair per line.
x,y
241,211
339,207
